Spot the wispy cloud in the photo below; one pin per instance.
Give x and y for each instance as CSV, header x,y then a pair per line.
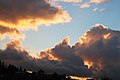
x,y
98,1
99,9
90,2
85,5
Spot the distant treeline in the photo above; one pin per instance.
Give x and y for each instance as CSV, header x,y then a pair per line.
x,y
11,72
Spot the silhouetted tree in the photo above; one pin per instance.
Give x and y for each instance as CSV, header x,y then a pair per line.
x,y
12,72
24,70
20,69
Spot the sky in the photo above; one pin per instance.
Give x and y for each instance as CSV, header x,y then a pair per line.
x,y
82,20
59,33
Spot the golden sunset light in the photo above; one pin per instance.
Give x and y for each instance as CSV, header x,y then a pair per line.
x,y
59,40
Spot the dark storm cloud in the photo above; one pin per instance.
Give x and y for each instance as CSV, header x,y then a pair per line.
x,y
101,46
65,52
69,61
13,52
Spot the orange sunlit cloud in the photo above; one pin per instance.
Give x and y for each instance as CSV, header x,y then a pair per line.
x,y
31,14
88,63
99,48
98,1
25,24
106,36
85,5
12,33
14,44
47,54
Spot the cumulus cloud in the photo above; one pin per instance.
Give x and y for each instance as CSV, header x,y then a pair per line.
x,y
97,52
13,52
63,51
101,47
60,59
18,15
28,14
10,32
13,44
68,58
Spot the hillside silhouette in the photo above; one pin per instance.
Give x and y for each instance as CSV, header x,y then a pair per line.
x,y
11,72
